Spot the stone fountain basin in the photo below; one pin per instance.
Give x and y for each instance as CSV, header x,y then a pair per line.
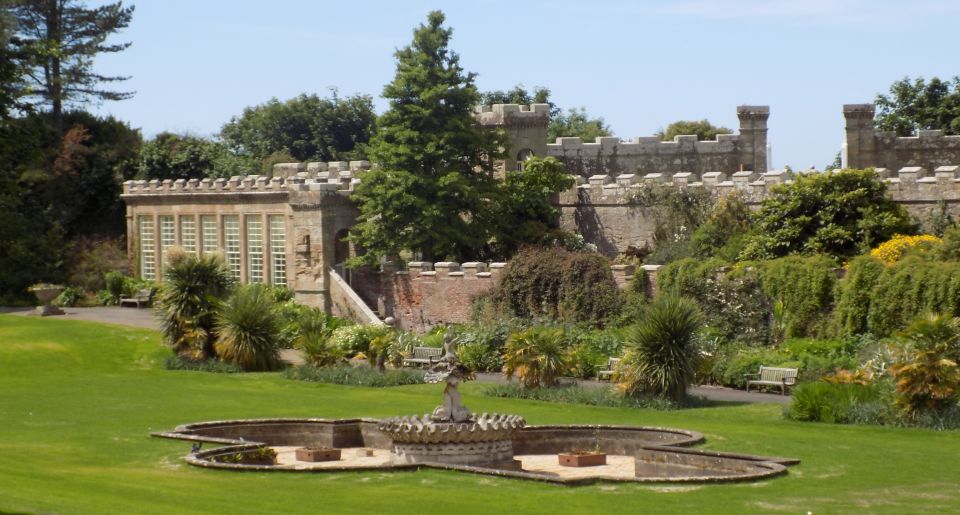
x,y
636,454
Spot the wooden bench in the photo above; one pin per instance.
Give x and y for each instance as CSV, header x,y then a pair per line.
x,y
423,356
773,376
142,297
607,372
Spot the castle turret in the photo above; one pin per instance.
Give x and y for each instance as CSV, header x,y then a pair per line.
x,y
860,145
525,125
753,137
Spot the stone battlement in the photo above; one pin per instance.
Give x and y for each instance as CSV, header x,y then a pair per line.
x,y
513,114
337,176
650,155
865,146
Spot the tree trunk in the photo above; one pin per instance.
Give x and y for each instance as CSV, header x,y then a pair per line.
x,y
54,34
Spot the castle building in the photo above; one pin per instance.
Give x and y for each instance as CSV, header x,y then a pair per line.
x,y
289,229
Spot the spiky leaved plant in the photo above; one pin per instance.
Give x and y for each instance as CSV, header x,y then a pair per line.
x,y
247,329
313,335
661,355
536,356
929,377
192,289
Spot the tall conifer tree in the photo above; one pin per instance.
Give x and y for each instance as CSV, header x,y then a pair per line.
x,y
61,38
433,183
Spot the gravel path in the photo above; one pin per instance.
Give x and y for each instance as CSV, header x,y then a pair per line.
x,y
145,318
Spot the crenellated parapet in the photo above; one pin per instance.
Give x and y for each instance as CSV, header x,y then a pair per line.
x,y
685,154
866,147
622,189
338,177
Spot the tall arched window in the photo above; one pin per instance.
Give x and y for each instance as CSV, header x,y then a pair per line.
x,y
522,157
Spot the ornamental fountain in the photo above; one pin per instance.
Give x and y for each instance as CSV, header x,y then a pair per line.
x,y
452,434
454,438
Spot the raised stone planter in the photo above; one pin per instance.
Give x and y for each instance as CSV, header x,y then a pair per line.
x,y
584,459
314,454
45,293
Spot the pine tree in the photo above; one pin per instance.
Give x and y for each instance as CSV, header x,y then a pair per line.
x,y
433,183
61,38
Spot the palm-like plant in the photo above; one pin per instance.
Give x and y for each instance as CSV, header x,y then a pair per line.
x,y
313,335
661,356
192,289
247,327
536,356
930,377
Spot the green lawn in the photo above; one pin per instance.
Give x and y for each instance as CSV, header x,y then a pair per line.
x,y
77,401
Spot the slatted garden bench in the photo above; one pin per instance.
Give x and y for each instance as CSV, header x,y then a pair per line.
x,y
607,372
142,297
774,376
423,356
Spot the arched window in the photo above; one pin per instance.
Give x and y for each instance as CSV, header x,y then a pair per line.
x,y
522,157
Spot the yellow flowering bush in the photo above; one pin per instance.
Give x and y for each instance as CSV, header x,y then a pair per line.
x,y
891,250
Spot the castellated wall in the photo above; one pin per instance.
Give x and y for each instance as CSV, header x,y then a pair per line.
x,y
866,147
744,151
428,294
527,128
600,207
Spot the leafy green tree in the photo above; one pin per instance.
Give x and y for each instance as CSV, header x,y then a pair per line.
x,y
703,129
519,95
61,38
306,127
841,213
917,104
576,123
525,213
433,182
176,156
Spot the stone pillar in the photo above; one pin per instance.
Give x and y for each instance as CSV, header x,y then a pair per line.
x,y
753,137
859,141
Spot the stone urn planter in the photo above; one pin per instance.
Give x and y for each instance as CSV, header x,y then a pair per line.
x,y
582,459
317,454
45,293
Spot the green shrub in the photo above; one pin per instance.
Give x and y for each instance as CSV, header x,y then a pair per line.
x,y
661,357
732,301
481,345
853,295
189,296
804,285
207,365
556,284
313,330
576,394
841,214
356,339
354,376
834,403
247,327
536,356
116,284
70,296
911,287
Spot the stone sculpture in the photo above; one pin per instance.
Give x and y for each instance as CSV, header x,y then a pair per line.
x,y
449,369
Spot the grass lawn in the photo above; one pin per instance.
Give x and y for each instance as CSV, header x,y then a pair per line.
x,y
78,399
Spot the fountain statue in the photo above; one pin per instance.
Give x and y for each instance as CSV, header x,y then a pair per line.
x,y
449,369
452,434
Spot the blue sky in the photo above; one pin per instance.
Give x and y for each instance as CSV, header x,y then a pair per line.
x,y
640,65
